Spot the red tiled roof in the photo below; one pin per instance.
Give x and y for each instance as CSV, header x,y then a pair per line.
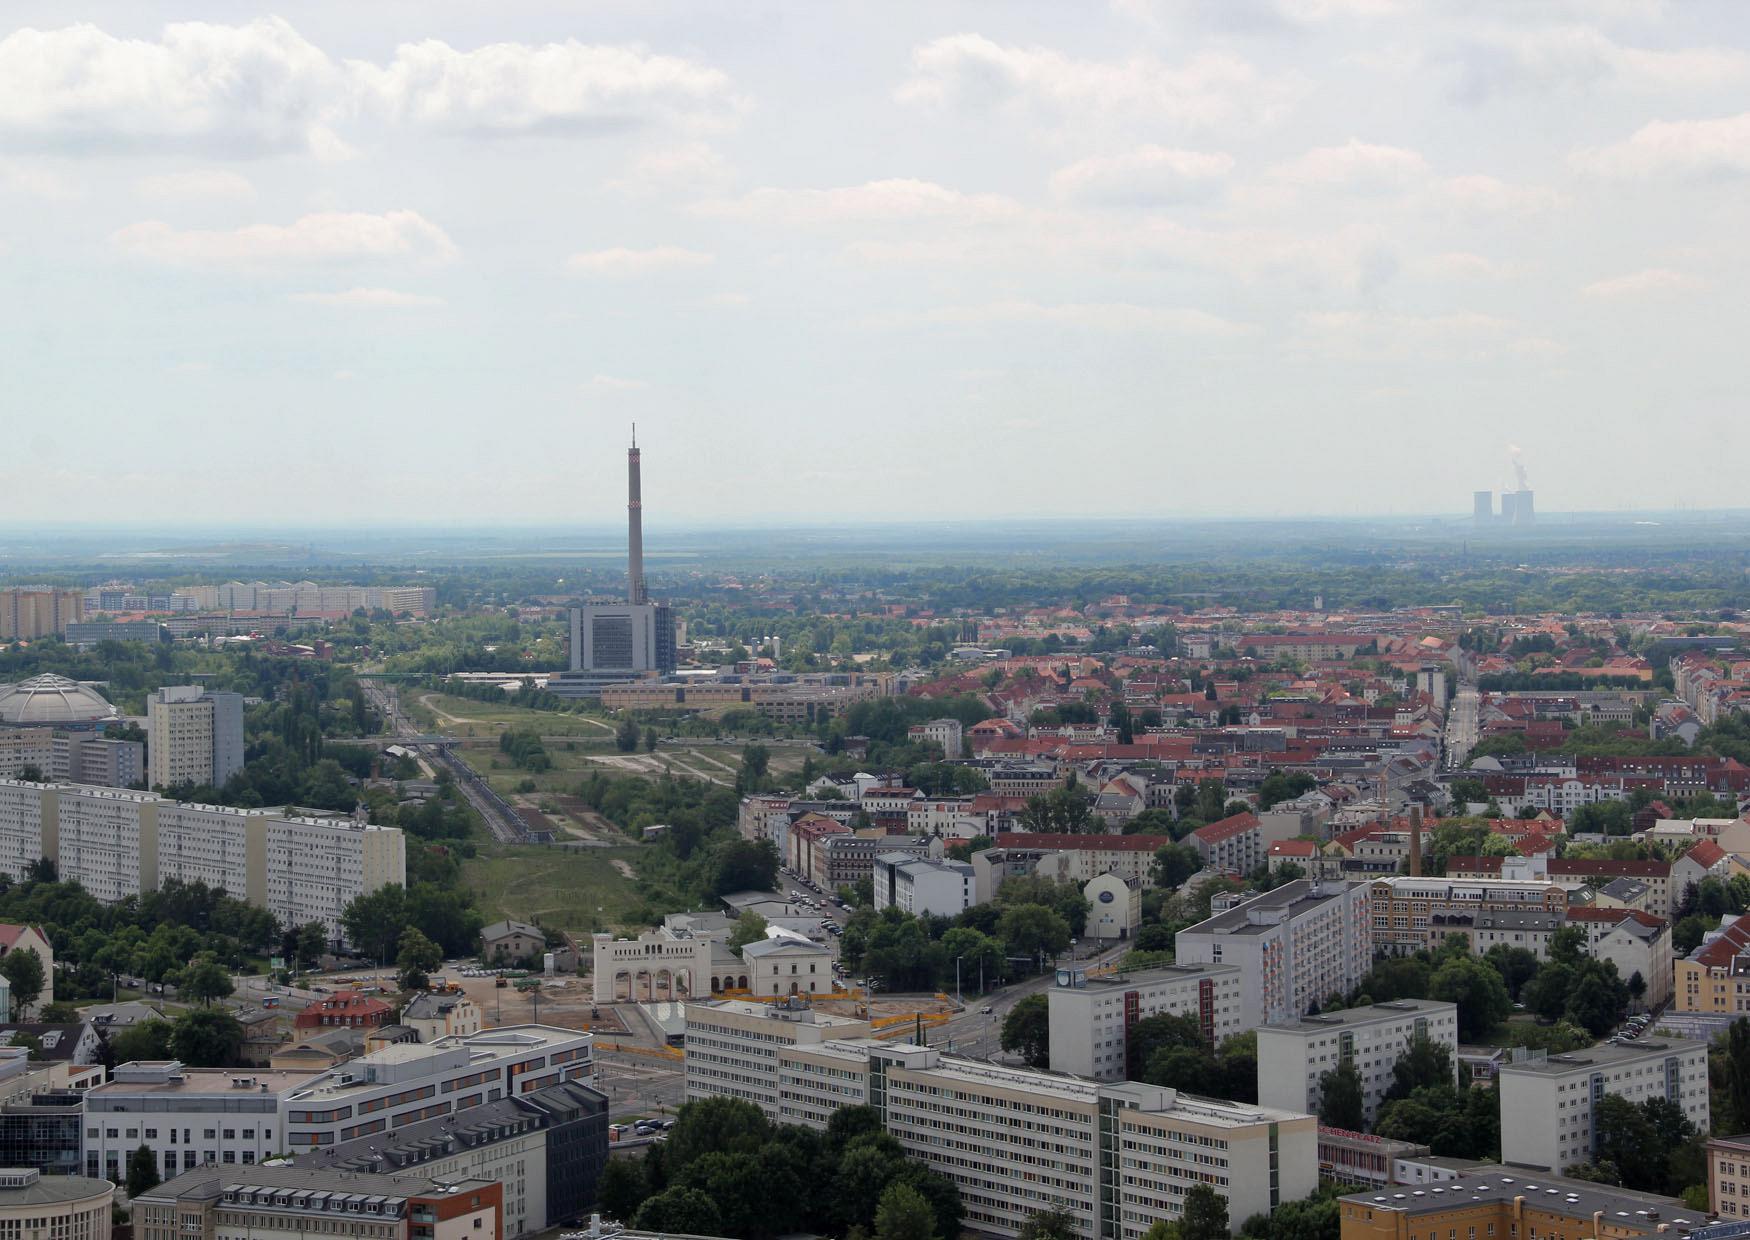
x,y
1082,843
1706,854
9,934
1615,869
1473,865
1227,828
1718,954
1613,915
1294,848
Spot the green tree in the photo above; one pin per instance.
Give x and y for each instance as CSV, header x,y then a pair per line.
x,y
1205,1216
684,1211
1027,1031
868,1165
204,980
150,1039
23,969
621,1189
1736,1073
1032,930
626,735
1597,999
374,922
1547,992
207,1038
1516,965
312,942
1628,1142
1341,1103
415,958
1164,1031
750,927
1567,945
1174,863
974,950
754,1195
1424,1062
1398,977
939,1192
142,1172
718,1123
1478,991
904,1215
1049,1225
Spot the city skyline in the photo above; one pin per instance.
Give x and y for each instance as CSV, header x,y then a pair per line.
x,y
436,262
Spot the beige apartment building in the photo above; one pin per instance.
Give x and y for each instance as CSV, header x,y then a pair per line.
x,y
1118,1157
28,612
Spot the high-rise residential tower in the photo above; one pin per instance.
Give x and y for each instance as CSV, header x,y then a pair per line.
x,y
193,736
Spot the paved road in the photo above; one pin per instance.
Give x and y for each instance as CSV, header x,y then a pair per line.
x,y
1461,725
639,1086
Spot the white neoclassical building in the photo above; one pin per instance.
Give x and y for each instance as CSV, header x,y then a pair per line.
x,y
664,964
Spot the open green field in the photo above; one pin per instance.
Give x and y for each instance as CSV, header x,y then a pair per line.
x,y
579,890
459,716
574,759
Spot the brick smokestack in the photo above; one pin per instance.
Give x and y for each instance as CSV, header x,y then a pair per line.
x,y
1415,841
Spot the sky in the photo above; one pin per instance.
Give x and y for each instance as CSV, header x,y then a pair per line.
x,y
847,261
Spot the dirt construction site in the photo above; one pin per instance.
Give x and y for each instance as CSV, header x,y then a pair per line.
x,y
564,1000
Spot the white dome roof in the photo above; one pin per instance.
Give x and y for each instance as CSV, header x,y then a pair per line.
x,y
52,701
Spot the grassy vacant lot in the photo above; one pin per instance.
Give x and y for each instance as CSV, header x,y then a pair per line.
x,y
461,716
578,890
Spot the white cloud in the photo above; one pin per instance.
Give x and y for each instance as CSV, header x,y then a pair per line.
x,y
1527,57
890,201
35,181
1458,265
325,236
1098,316
519,88
1251,14
613,383
691,169
1355,165
1652,281
370,297
1491,195
1351,335
262,87
199,185
621,261
245,89
973,72
1695,148
1143,176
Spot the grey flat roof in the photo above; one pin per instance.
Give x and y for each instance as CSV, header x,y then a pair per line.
x,y
1165,972
53,1190
1620,1207
1296,896
1395,1009
1605,1055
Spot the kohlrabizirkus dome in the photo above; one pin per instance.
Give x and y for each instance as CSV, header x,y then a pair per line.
x,y
51,701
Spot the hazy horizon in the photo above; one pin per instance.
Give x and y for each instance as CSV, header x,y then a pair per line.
x,y
334,265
